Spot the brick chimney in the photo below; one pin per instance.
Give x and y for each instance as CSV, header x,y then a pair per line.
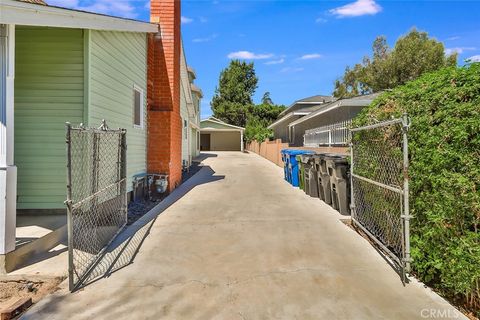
x,y
164,121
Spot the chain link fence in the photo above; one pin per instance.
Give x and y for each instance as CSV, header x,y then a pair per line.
x,y
96,195
379,177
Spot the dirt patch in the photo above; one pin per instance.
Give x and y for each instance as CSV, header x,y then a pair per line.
x,y
13,288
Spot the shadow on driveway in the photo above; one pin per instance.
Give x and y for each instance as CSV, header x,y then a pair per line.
x,y
123,249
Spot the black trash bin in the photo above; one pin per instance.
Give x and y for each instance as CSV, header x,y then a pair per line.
x,y
323,178
311,177
338,170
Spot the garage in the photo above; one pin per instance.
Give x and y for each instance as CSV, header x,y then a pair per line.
x,y
217,135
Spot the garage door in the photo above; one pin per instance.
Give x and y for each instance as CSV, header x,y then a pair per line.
x,y
225,141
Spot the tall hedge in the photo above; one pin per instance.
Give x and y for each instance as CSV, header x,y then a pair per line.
x,y
444,142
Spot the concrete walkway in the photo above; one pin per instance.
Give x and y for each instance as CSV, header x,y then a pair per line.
x,y
238,242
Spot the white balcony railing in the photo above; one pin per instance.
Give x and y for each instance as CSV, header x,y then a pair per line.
x,y
337,134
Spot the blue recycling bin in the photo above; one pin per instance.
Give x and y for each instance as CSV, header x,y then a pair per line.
x,y
285,163
292,173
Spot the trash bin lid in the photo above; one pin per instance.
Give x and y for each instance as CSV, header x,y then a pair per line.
x,y
294,152
337,158
306,158
320,156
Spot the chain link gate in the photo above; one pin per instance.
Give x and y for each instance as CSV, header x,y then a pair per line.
x,y
96,195
380,191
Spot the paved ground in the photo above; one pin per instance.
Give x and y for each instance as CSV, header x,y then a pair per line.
x,y
242,244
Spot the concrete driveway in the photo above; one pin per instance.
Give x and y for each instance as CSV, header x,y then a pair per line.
x,y
237,242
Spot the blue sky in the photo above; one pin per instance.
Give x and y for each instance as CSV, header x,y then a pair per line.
x,y
300,47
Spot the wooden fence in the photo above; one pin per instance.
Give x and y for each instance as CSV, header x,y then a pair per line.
x,y
270,150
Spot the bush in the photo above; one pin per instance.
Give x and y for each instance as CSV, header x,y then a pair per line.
x,y
256,129
444,146
259,117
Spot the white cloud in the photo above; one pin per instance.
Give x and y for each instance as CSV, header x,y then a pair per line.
x,y
321,20
279,61
206,39
475,58
290,69
453,38
247,55
459,50
357,8
311,56
186,20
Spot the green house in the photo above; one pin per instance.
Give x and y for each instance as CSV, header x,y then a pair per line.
x,y
77,67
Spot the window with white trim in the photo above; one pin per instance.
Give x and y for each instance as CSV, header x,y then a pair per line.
x,y
138,107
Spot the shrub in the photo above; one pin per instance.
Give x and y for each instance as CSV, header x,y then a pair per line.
x,y
444,147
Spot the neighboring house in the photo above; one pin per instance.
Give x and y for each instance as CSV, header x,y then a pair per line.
x,y
297,110
329,120
217,135
190,113
59,65
187,110
197,95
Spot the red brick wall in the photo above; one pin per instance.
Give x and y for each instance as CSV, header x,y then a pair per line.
x,y
164,121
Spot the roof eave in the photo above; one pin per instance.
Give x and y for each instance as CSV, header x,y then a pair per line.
x,y
215,120
334,105
28,14
286,117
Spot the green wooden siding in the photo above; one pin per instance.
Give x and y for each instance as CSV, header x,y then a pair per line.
x,y
49,87
117,63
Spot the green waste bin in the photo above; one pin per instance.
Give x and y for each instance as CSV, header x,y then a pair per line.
x,y
301,172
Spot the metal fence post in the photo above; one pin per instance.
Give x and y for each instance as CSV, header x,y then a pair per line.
x,y
124,170
352,165
406,190
68,128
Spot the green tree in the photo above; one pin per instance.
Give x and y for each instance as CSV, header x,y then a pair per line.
x,y
234,93
259,118
413,55
266,98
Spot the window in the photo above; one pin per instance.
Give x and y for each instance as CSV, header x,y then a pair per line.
x,y
138,107
185,128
